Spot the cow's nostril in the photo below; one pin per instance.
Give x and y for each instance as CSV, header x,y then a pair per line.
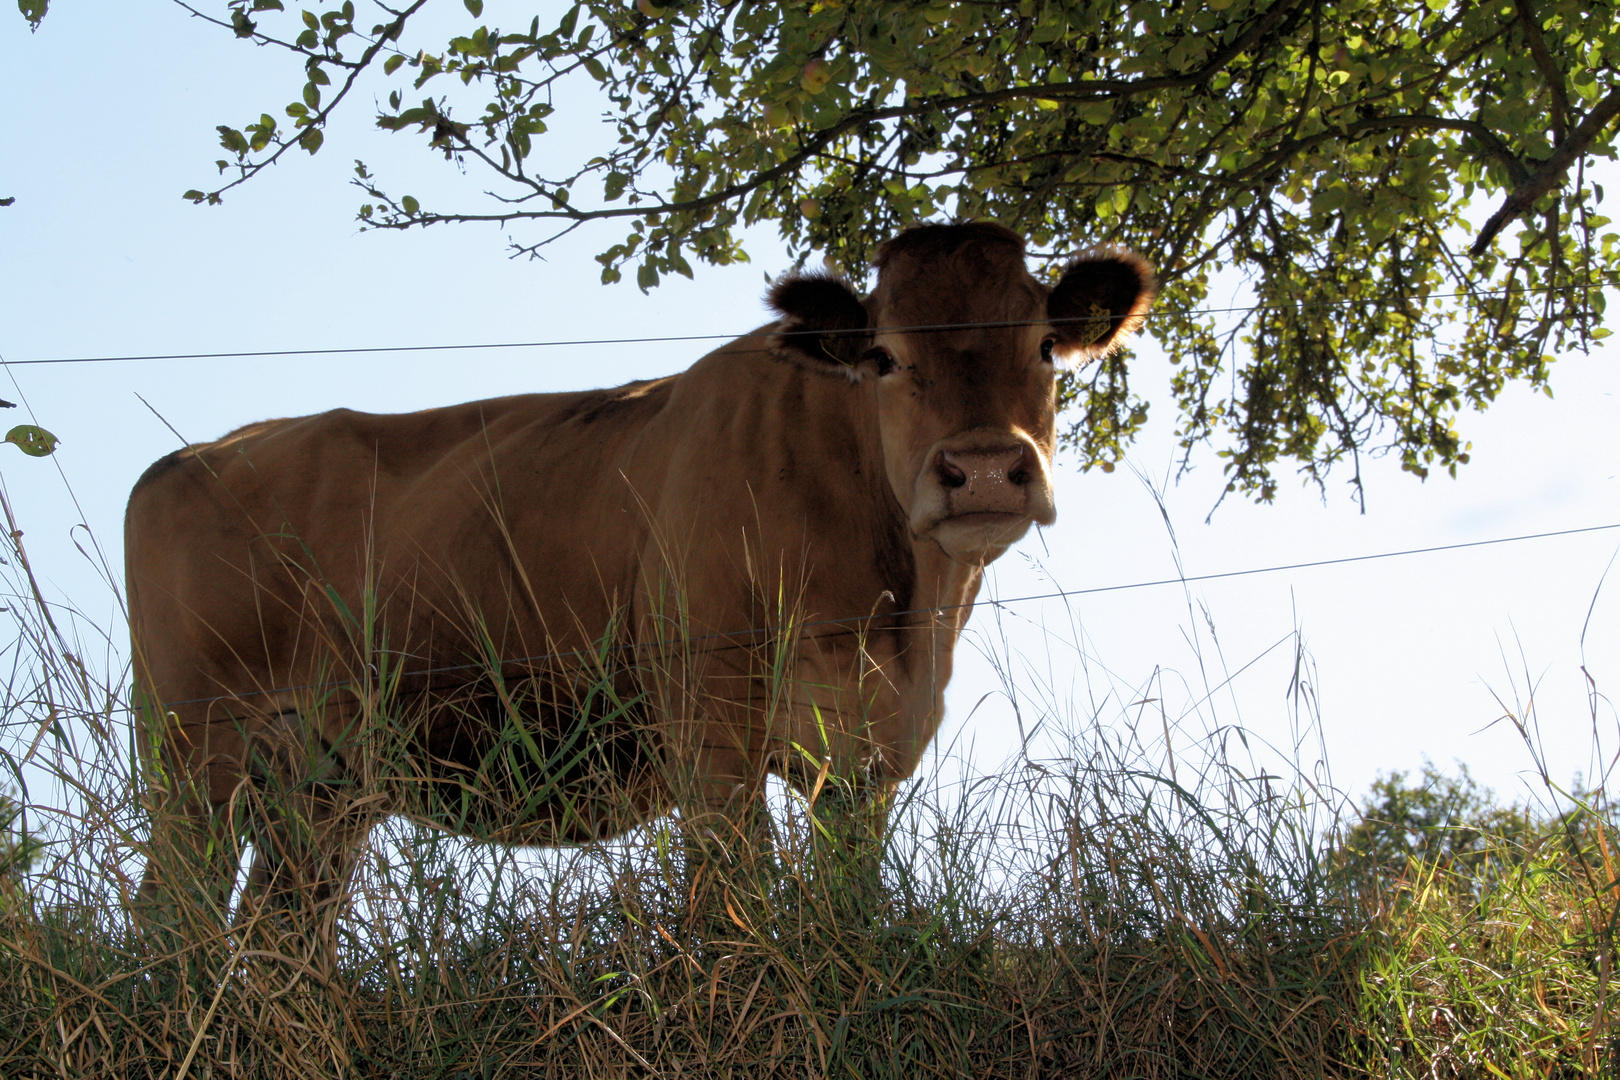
x,y
1019,476
949,474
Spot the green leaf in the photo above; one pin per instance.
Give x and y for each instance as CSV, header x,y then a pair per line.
x,y
474,6
392,64
194,195
33,11
312,95
410,205
311,140
31,440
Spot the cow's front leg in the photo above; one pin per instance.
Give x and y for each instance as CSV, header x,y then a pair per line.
x,y
727,849
849,817
846,816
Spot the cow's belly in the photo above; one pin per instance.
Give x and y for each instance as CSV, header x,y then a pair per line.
x,y
538,762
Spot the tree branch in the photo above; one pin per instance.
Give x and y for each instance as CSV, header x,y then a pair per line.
x,y
1549,70
1551,173
391,32
819,141
265,39
1493,146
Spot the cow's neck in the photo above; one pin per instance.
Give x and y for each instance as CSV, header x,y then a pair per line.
x,y
931,597
810,450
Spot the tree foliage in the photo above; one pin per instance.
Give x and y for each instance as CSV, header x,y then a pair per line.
x,y
1396,190
1455,824
1433,818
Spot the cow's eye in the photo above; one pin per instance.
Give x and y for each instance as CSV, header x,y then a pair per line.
x,y
1046,350
880,358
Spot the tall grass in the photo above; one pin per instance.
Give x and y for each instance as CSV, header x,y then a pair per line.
x,y
1496,925
1107,907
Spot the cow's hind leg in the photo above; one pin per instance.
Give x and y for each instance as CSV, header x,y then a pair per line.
x,y
191,858
308,823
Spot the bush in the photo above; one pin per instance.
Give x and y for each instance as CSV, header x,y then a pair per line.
x,y
1450,822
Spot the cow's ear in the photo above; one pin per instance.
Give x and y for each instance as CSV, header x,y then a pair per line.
x,y
822,323
1102,296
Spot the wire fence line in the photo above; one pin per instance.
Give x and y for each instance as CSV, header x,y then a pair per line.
x,y
1388,301
849,624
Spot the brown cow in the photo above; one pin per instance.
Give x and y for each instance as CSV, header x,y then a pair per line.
x,y
552,611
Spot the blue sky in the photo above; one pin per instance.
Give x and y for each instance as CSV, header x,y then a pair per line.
x,y
112,117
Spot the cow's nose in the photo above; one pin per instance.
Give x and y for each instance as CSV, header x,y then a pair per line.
x,y
985,481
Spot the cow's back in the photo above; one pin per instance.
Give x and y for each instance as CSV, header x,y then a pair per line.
x,y
259,565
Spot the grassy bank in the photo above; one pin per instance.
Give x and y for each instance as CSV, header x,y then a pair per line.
x,y
1104,910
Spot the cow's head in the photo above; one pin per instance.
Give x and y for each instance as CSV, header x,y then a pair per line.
x,y
959,343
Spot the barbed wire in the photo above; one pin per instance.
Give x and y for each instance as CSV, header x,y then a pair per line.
x,y
1389,301
848,624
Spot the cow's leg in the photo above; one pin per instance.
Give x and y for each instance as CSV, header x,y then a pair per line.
x,y
855,814
193,849
849,815
191,857
308,824
721,796
303,860
728,849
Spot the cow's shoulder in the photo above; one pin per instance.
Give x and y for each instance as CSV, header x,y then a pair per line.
x,y
592,406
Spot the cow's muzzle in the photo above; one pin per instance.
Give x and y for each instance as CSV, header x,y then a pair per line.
x,y
980,491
